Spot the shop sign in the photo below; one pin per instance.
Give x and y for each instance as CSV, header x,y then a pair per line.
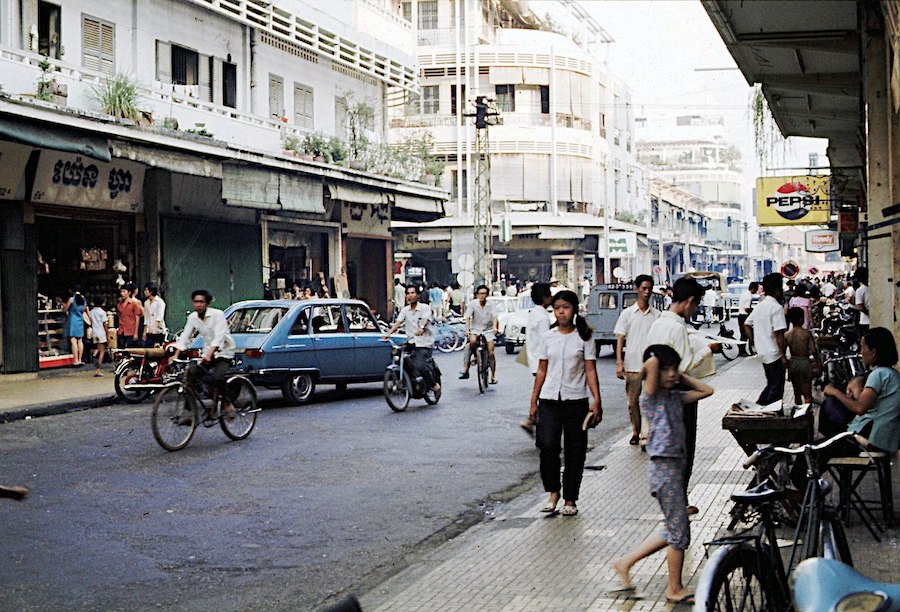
x,y
621,244
848,221
363,219
73,180
822,241
792,200
13,158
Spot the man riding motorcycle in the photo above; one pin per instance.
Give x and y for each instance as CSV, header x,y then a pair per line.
x,y
415,318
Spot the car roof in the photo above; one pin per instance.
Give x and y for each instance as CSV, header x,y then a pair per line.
x,y
290,303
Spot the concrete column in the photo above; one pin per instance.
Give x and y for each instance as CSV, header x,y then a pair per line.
x,y
878,190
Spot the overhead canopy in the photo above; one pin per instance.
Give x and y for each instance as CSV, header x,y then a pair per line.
x,y
412,208
806,55
266,189
59,138
347,193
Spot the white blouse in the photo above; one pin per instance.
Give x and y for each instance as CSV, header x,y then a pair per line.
x,y
565,355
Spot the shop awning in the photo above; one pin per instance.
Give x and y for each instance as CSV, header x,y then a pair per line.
x,y
57,138
255,188
357,195
561,233
423,207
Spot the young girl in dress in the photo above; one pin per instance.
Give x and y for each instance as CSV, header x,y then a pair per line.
x,y
99,328
567,370
661,405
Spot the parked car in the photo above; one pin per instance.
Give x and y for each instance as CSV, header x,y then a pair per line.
x,y
734,296
506,306
605,303
514,331
296,345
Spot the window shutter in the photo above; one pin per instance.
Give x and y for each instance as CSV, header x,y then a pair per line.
x,y
276,96
90,43
29,21
163,62
204,77
107,48
217,81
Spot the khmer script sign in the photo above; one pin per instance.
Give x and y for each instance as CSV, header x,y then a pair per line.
x,y
74,180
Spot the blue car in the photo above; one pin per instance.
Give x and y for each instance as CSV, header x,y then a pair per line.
x,y
296,344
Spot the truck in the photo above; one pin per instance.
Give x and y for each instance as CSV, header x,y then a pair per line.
x,y
605,303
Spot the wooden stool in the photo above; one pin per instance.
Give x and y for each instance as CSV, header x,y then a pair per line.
x,y
849,472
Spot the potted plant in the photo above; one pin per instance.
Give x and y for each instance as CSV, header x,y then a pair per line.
x,y
337,151
118,97
316,145
434,168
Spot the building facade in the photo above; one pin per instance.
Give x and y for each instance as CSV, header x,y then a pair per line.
x,y
562,156
204,184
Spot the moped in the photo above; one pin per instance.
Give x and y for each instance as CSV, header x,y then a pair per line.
x,y
828,584
402,382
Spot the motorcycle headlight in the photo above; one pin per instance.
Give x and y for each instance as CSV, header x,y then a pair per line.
x,y
868,601
396,358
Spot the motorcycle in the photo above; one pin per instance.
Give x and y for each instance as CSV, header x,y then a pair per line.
x,y
828,584
141,371
402,382
840,323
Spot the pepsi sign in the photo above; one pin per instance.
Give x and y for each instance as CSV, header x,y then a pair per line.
x,y
797,200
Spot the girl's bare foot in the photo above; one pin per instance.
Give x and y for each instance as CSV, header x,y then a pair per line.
x,y
551,503
682,596
622,568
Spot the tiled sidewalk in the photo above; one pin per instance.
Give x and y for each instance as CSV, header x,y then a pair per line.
x,y
521,561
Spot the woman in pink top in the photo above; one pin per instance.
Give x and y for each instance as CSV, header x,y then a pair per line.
x,y
801,300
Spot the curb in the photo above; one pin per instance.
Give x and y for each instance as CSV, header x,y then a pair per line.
x,y
64,407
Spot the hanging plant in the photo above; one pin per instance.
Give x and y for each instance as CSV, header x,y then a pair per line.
x,y
766,135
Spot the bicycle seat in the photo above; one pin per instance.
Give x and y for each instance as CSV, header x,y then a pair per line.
x,y
760,494
150,353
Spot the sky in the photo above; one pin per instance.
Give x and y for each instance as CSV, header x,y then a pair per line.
x,y
670,54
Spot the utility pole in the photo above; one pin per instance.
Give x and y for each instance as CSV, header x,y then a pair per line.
x,y
485,113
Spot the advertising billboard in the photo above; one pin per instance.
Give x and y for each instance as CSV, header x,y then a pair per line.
x,y
792,200
822,241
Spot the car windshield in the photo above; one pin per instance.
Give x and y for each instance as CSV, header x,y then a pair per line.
x,y
255,320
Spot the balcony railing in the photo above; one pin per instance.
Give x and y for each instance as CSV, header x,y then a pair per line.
x,y
514,119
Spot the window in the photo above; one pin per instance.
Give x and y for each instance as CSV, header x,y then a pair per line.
x,y
411,103
428,15
453,100
98,45
229,84
608,301
185,66
327,320
506,98
255,320
303,106
454,192
301,325
431,101
276,96
545,99
407,11
361,319
457,13
340,116
48,28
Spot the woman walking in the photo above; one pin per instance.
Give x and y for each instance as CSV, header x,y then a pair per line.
x,y
567,370
74,310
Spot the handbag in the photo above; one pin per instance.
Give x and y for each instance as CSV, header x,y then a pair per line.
x,y
88,326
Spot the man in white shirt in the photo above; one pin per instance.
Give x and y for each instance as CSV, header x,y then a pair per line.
x,y
399,296
670,328
765,327
633,327
848,292
745,305
415,318
481,319
861,298
828,288
218,345
536,328
154,317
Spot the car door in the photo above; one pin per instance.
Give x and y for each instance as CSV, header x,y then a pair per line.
x,y
371,354
331,342
293,348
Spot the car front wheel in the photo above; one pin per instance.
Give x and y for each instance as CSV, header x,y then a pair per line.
x,y
299,388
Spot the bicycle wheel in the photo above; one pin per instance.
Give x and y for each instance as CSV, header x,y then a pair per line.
x,y
730,351
736,578
834,539
396,389
174,417
243,398
128,376
481,368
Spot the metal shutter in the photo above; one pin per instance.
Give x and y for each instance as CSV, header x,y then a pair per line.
x,y
163,62
98,47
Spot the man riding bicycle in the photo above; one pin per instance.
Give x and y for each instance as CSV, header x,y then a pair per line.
x,y
415,318
481,320
218,346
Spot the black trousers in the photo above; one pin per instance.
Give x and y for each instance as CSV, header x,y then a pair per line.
x,y
558,419
690,441
212,373
774,390
154,339
420,356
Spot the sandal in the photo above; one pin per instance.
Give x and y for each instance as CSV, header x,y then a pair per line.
x,y
570,510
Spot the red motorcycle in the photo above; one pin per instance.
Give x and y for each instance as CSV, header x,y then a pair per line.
x,y
141,371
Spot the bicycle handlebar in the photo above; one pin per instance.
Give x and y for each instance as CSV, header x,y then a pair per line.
x,y
800,450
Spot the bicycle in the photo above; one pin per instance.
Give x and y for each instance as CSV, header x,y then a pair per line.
x,y
179,409
482,362
748,572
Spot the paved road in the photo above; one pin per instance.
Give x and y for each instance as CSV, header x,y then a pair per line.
x,y
321,499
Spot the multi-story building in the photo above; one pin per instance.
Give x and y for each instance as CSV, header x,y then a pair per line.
x,y
692,153
562,153
195,187
680,230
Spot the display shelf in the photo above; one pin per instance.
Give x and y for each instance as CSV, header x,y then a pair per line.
x,y
53,346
